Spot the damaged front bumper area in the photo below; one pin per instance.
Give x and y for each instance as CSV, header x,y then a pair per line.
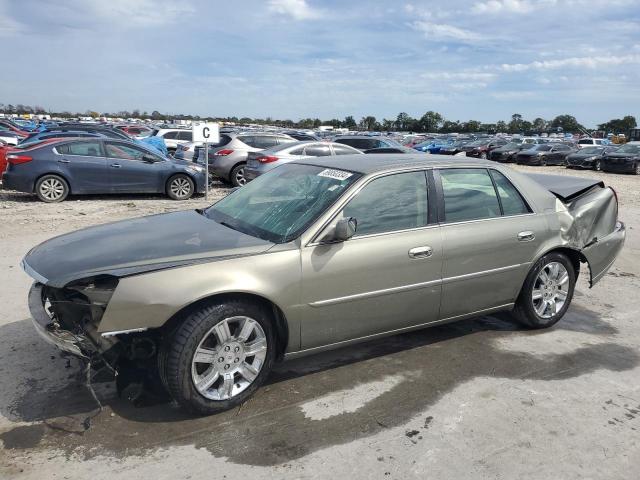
x,y
68,318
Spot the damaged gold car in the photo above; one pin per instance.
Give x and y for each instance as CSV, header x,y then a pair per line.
x,y
314,255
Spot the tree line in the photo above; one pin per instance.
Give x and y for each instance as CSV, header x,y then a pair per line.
x,y
430,122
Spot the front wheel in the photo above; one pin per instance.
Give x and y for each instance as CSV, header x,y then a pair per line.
x,y
219,356
597,166
543,161
636,169
180,187
547,292
483,156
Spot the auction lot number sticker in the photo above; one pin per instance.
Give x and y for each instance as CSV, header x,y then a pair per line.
x,y
335,174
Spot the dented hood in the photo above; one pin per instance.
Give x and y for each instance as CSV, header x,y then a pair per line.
x,y
138,245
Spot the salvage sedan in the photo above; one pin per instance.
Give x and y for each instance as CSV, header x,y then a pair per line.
x,y
589,157
624,159
84,166
314,255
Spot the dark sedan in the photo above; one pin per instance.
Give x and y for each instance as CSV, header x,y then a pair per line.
x,y
454,148
545,154
482,148
589,157
507,153
400,149
87,166
624,159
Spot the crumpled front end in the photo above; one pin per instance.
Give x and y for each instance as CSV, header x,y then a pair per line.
x,y
68,317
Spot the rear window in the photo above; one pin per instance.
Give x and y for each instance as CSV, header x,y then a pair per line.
x,y
585,141
85,149
360,143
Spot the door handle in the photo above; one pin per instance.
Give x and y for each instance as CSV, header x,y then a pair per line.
x,y
64,160
115,165
526,236
420,252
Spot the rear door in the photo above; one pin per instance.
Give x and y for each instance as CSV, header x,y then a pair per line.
x,y
133,169
84,165
490,237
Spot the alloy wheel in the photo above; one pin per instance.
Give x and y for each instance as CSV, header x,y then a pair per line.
x,y
240,178
229,358
597,166
550,290
52,189
180,187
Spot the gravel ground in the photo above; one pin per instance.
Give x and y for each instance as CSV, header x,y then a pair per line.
x,y
480,398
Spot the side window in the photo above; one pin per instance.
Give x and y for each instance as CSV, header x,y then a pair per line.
x,y
468,194
85,149
186,135
297,151
512,201
340,150
170,135
285,140
391,203
124,152
317,150
264,142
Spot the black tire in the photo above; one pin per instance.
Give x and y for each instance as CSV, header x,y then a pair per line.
x,y
483,155
180,187
636,169
52,188
543,161
236,177
597,166
176,359
524,311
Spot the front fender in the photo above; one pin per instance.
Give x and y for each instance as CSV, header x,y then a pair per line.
x,y
148,300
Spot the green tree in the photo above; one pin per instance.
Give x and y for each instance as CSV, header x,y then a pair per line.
x,y
539,125
403,121
430,121
350,123
501,126
369,123
515,125
619,125
567,123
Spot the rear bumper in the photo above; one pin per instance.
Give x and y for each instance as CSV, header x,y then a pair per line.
x,y
75,343
11,181
603,253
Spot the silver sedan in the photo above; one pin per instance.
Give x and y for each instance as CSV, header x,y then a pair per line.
x,y
259,163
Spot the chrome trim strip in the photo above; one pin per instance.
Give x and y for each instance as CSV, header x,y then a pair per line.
x,y
374,293
414,286
467,276
120,332
32,273
299,353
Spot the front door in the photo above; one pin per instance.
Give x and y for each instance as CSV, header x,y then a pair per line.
x,y
85,166
490,240
386,277
133,169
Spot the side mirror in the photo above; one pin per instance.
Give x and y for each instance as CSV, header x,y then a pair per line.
x,y
345,229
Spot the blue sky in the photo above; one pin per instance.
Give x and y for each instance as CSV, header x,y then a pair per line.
x,y
478,59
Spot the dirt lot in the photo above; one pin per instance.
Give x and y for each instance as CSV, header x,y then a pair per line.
x,y
476,399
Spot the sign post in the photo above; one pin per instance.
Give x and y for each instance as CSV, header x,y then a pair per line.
x,y
206,132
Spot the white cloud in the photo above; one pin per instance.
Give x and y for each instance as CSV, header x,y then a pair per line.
x,y
440,31
465,76
8,26
500,6
572,62
296,9
139,13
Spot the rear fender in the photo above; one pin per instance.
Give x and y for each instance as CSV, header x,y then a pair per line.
x,y
589,223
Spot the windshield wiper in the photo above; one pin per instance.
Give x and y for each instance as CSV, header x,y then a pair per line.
x,y
229,226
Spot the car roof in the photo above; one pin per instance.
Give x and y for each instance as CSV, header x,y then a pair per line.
x,y
379,162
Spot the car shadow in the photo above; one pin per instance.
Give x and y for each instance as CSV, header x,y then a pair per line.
x,y
411,371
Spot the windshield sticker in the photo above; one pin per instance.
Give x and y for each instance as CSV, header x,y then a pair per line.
x,y
335,174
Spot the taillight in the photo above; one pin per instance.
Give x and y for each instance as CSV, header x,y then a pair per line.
x,y
15,159
267,159
223,152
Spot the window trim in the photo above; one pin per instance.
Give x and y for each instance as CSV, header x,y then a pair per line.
x,y
101,154
346,198
440,197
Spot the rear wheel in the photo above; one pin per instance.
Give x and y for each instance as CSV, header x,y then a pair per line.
x,y
237,177
180,187
547,292
52,189
597,166
219,356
